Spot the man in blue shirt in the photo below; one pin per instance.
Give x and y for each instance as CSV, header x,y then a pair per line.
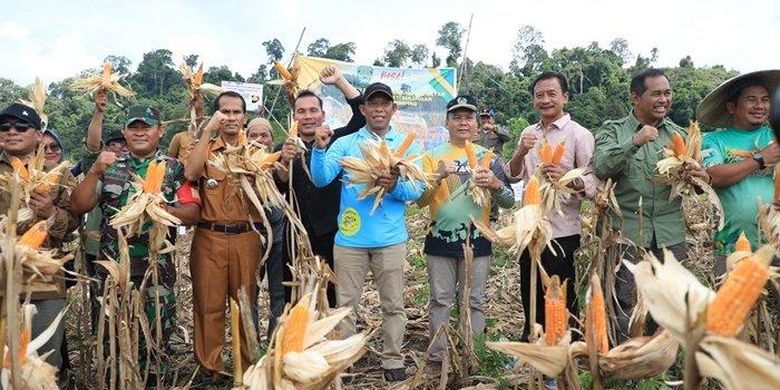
x,y
370,241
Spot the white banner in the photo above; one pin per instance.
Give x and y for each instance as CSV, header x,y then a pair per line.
x,y
252,93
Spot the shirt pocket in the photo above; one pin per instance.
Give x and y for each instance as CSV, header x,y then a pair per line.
x,y
214,180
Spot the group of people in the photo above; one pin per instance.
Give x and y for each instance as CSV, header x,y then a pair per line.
x,y
353,239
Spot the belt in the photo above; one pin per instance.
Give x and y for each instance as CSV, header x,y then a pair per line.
x,y
238,228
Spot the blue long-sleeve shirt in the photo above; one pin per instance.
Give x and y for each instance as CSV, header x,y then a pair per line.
x,y
357,227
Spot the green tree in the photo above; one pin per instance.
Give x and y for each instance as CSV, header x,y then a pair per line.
x,y
156,75
435,60
119,64
318,48
528,51
217,74
341,51
450,36
396,54
274,50
419,55
191,60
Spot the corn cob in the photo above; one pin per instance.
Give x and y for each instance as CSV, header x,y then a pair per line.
x,y
35,236
736,298
742,245
558,154
19,168
293,130
295,329
678,145
487,159
555,315
741,154
197,78
154,177
546,153
595,320
694,141
282,70
405,145
470,155
777,184
531,195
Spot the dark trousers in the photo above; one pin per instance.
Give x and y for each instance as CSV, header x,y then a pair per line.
x,y
562,264
625,287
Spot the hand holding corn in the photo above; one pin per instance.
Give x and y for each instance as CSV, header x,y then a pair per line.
x,y
645,135
322,137
446,168
771,153
553,171
388,180
42,203
484,177
290,151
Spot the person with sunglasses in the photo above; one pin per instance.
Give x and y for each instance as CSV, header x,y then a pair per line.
x,y
52,147
20,127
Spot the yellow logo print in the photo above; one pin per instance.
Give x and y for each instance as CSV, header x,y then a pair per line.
x,y
350,222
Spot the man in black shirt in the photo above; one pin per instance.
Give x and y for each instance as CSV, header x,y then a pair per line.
x,y
319,207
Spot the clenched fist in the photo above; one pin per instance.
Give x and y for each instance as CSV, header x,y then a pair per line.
x,y
645,135
322,137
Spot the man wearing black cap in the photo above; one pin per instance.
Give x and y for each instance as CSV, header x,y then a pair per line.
x,y
451,210
490,135
21,128
365,241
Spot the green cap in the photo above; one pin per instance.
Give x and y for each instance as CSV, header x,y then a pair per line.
x,y
146,114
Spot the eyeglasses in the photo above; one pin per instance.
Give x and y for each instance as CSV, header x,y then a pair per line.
x,y
54,148
21,127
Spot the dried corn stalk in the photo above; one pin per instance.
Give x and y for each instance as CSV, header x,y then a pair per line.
x,y
34,372
676,298
107,80
146,204
34,176
672,169
37,100
377,161
556,193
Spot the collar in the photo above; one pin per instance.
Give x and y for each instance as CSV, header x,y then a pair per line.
x,y
390,136
636,124
136,162
557,124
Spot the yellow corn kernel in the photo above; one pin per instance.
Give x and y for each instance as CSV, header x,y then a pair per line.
x,y
733,302
595,316
295,329
405,145
743,244
35,236
282,70
155,174
678,145
557,156
555,314
546,153
470,155
487,159
531,195
19,168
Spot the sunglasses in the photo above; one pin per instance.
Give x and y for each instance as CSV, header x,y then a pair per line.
x,y
21,127
54,148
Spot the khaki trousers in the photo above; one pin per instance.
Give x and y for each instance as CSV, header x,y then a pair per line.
x,y
387,267
220,263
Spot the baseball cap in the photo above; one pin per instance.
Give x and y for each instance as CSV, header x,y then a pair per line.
x,y
146,114
462,101
486,112
378,88
22,113
114,136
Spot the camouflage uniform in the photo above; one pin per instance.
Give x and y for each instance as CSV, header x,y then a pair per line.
x,y
113,192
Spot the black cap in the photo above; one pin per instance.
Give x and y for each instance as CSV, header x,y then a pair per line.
x,y
23,113
146,114
462,101
486,112
378,88
115,136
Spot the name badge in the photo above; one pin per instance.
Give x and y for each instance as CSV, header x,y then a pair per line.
x,y
211,183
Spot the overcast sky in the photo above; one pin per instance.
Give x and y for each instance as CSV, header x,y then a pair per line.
x,y
58,39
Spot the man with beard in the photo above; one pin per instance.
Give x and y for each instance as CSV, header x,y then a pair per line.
x,y
370,241
627,151
319,207
226,248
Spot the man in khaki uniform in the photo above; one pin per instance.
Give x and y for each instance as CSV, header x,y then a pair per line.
x,y
225,249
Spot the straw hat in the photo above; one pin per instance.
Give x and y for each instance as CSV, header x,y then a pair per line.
x,y
712,110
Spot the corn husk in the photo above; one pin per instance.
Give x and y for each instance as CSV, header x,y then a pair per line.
x,y
377,160
556,193
672,167
37,100
672,293
640,357
481,195
107,80
197,89
34,176
142,207
35,372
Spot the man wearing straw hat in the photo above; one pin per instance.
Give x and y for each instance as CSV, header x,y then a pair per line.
x,y
739,155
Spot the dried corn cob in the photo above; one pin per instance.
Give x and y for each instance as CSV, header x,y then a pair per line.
x,y
743,244
295,328
155,174
107,80
471,155
595,317
557,156
736,298
405,145
282,70
35,236
531,195
293,130
546,153
678,145
20,169
487,159
555,313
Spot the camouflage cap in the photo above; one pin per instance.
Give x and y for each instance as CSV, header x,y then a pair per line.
x,y
146,114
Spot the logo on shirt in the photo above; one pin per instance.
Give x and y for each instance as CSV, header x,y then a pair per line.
x,y
350,222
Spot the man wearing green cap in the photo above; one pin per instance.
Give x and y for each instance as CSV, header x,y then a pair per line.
x,y
740,154
108,184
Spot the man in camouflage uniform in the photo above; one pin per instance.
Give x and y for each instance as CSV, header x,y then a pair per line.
x,y
108,185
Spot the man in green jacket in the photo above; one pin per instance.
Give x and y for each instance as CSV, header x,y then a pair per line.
x,y
627,151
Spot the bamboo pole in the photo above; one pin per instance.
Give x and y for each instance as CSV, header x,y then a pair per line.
x,y
13,275
235,331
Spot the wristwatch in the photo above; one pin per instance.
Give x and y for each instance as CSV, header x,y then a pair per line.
x,y
759,158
